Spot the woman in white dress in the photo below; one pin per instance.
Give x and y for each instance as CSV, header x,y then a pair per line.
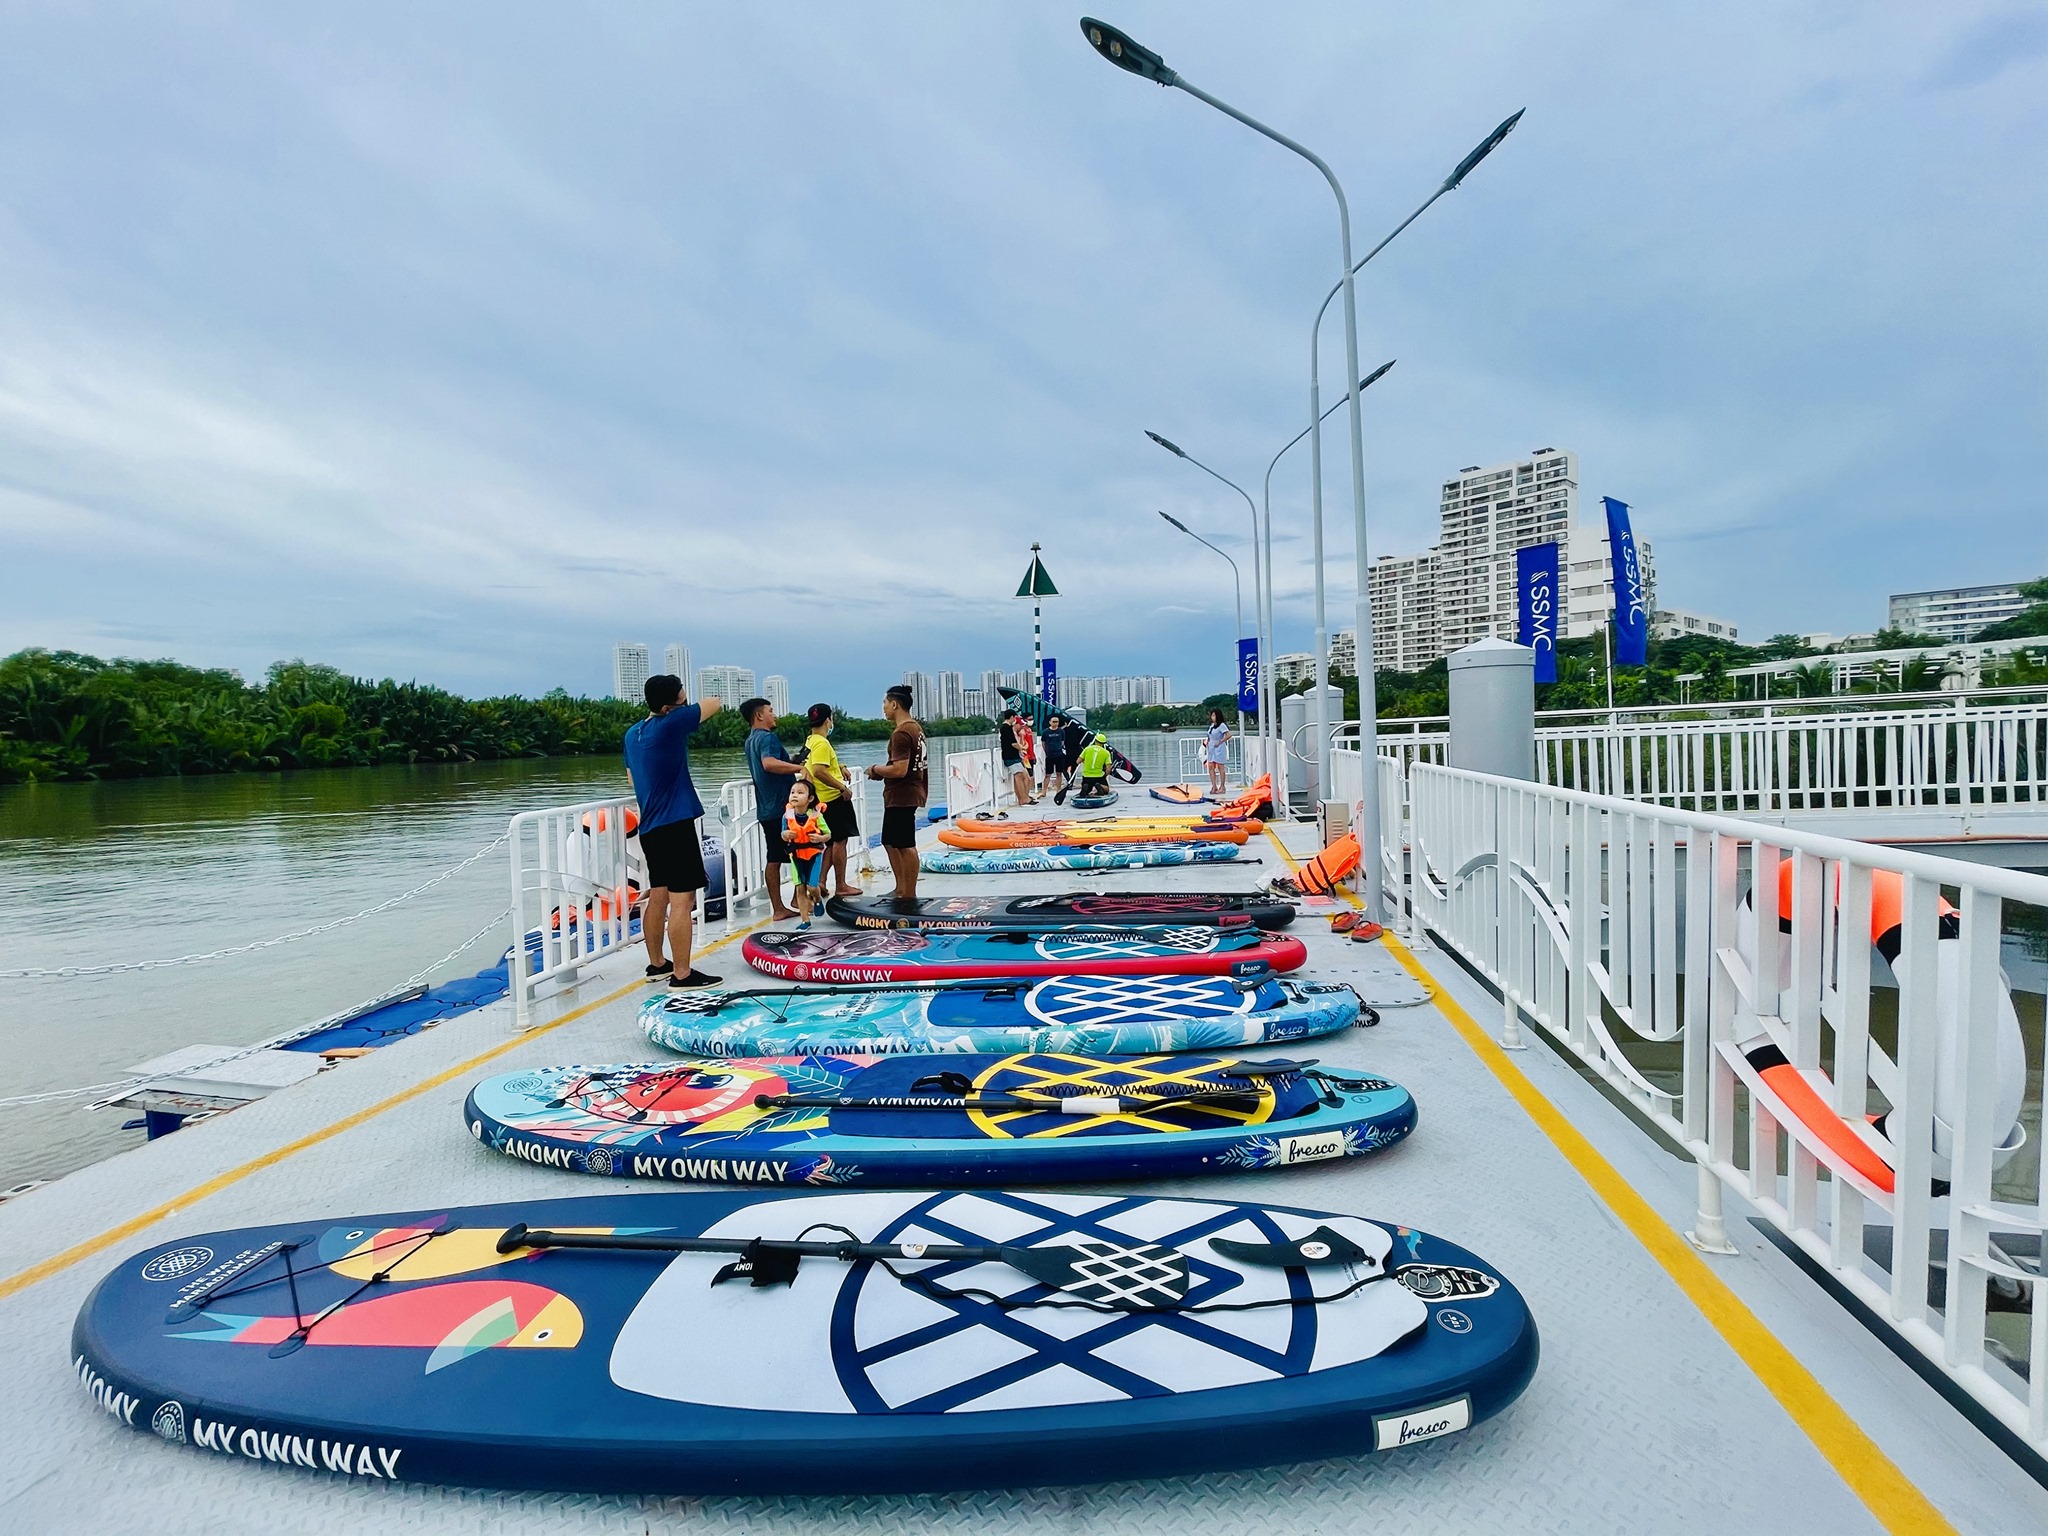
x,y
1216,751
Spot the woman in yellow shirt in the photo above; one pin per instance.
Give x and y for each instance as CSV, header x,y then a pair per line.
x,y
823,769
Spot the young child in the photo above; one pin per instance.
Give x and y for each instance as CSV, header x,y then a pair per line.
x,y
807,836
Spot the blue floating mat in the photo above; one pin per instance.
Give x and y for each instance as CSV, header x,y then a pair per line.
x,y
883,1121
1084,1015
409,1347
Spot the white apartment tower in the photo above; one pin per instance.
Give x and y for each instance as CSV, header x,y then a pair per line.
x,y
1405,625
775,689
924,694
729,685
951,698
629,670
675,661
1488,514
1589,587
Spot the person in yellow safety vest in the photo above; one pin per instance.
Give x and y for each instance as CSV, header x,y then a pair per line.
x,y
1095,767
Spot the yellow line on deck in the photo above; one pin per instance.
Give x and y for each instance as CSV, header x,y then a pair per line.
x,y
59,1262
1892,1497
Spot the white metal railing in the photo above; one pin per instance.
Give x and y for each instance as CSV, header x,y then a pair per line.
x,y
1626,931
1192,770
746,847
575,878
1873,762
974,781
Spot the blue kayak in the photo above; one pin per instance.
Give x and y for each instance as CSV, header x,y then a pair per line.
x,y
932,1341
1091,1015
1034,861
895,1121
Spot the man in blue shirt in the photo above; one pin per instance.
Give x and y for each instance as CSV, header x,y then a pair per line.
x,y
658,758
772,771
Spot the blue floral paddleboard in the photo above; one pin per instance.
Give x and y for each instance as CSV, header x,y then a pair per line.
x,y
905,954
981,1340
1088,1015
1052,860
882,1121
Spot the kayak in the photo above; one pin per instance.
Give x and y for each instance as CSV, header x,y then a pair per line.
x,y
971,832
907,955
1092,1015
909,1121
587,1345
1098,909
1069,856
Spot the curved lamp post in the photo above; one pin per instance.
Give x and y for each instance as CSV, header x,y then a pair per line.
x,y
1262,618
1236,580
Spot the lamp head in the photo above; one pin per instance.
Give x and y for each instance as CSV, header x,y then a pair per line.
x,y
1376,375
1173,448
1183,527
1491,143
1125,52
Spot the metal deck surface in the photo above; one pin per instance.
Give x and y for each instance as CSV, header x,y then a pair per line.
x,y
1640,1418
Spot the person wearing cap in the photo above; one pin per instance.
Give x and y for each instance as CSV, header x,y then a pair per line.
x,y
658,759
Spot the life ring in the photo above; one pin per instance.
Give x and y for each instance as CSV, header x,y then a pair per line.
x,y
1802,1100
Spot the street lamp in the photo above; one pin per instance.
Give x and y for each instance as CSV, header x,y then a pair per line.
x,y
1322,643
1128,54
1368,732
1236,581
1262,618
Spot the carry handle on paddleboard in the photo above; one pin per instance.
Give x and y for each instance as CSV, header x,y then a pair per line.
x,y
1107,1276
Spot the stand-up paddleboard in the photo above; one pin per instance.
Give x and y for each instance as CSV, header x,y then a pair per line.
x,y
1089,1015
963,1340
1181,794
1061,857
973,832
1099,909
897,1121
1093,802
904,954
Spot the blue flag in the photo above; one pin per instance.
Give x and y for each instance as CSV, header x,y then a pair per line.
x,y
1536,626
1248,677
1631,599
1049,681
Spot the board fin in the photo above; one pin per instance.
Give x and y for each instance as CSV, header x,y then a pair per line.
x,y
1323,1248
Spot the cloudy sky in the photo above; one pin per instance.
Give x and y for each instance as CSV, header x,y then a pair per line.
x,y
456,342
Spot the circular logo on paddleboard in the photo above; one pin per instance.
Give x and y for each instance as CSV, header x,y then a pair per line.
x,y
1454,1320
169,1422
176,1263
598,1160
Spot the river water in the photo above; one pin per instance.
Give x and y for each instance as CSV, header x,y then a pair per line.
x,y
149,868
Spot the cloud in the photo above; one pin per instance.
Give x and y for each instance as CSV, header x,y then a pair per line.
x,y
461,343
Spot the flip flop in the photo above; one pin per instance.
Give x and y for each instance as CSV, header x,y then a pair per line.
x,y
1365,933
1344,922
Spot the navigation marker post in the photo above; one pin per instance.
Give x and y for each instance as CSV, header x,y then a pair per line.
x,y
1037,585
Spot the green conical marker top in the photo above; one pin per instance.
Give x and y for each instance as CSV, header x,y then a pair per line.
x,y
1037,581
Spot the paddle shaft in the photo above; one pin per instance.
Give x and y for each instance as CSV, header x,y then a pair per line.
x,y
540,1237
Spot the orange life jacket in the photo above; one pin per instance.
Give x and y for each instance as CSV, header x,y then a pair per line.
x,y
807,833
1319,876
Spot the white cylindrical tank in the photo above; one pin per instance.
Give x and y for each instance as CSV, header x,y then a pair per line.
x,y
1493,709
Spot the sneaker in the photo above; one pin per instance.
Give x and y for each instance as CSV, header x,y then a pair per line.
x,y
656,972
803,924
692,982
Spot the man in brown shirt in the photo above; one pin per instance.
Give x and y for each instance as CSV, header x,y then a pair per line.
x,y
906,784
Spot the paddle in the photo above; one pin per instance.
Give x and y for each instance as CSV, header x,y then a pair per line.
x,y
1065,1104
1103,1276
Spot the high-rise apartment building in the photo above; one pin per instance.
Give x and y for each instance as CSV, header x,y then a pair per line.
x,y
924,694
675,661
775,689
1954,613
629,670
974,702
950,699
728,685
1487,515
1589,587
1405,624
991,691
1294,667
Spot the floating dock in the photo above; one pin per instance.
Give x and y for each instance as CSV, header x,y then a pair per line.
x,y
1676,1392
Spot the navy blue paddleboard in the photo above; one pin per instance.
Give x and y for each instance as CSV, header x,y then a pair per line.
x,y
968,1340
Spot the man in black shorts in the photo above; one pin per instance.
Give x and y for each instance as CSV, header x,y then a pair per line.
x,y
905,786
658,758
772,773
1058,766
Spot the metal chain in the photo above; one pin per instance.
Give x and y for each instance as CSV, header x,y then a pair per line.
x,y
23,1100
24,973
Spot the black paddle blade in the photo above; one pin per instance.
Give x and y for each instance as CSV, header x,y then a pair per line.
x,y
1143,1278
761,1265
1322,1248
